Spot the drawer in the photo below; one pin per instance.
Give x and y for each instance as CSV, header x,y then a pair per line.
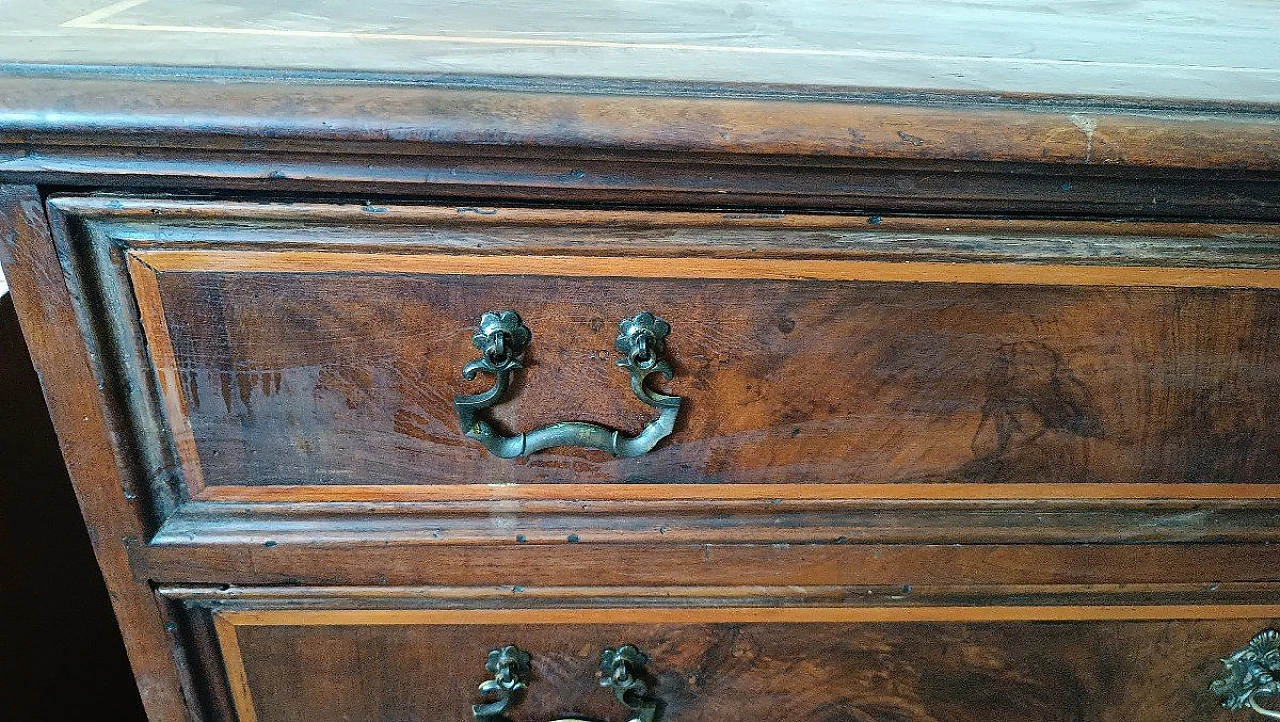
x,y
317,351
1121,664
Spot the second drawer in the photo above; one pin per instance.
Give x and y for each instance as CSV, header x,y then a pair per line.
x,y
1102,664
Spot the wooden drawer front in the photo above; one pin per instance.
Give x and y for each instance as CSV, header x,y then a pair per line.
x,y
725,665
296,351
346,374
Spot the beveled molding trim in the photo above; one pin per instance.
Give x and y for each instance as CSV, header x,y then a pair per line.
x,y
375,562
205,212
1047,491
765,269
952,596
117,110
741,615
698,520
615,514
921,152
748,184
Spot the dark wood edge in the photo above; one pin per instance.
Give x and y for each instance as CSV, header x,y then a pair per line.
x,y
774,493
108,309
53,334
329,563
200,658
391,232
622,521
568,178
118,212
425,115
505,597
736,615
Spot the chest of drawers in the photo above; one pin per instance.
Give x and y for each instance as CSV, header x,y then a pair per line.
x,y
467,376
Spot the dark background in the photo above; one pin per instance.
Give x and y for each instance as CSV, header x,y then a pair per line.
x,y
61,657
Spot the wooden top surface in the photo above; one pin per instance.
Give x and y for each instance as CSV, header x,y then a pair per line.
x,y
1221,52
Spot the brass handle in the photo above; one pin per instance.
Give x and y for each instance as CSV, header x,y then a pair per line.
x,y
1251,673
502,341
509,667
621,670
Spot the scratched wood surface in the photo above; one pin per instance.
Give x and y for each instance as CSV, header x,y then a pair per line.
x,y
1086,110
1222,51
1146,671
347,377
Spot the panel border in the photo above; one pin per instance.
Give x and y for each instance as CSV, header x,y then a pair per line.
x,y
762,269
146,263
740,615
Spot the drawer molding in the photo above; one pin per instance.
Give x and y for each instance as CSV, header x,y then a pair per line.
x,y
778,269
742,615
300,562
1046,491
953,596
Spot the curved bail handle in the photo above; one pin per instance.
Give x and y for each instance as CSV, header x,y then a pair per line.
x,y
502,340
1250,673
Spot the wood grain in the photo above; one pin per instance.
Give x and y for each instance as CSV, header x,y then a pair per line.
x,y
904,125
778,492
146,293
775,269
620,224
797,664
513,564
232,598
822,378
1183,50
736,615
668,179
238,680
87,434
1083,408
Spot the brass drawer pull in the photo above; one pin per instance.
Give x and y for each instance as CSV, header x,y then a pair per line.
x,y
509,667
502,341
621,670
1252,672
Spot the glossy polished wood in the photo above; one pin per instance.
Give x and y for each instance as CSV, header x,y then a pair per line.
x,y
296,559
795,371
716,664
86,434
771,269
878,152
1024,326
